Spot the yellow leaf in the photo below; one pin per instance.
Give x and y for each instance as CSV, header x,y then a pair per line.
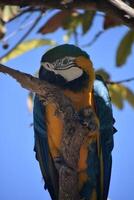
x,y
25,47
120,93
116,96
9,12
127,94
30,101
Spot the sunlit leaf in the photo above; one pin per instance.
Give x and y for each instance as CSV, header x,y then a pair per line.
x,y
30,101
120,93
116,96
105,75
110,22
67,36
55,22
2,29
9,12
125,47
127,94
27,46
130,97
87,20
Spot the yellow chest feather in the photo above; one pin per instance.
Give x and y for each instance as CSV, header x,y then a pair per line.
x,y
55,129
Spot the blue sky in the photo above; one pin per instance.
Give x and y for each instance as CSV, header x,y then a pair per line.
x,y
19,171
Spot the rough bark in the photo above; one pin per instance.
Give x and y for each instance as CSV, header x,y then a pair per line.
x,y
112,7
74,132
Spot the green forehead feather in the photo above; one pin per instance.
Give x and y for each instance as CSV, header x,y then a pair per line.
x,y
62,51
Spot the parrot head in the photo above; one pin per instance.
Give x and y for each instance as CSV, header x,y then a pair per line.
x,y
68,67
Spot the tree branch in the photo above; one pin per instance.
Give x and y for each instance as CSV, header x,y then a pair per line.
x,y
74,133
112,7
95,38
123,7
122,81
121,10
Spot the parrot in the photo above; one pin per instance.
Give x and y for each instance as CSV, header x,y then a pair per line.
x,y
71,69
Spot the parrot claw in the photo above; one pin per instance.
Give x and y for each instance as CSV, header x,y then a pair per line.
x,y
88,119
59,162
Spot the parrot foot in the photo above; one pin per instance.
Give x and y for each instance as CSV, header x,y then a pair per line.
x,y
59,162
88,119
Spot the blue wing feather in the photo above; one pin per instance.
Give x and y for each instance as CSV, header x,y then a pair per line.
x,y
105,115
41,148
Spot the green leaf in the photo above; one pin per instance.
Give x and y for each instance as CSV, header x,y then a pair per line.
x,y
87,20
120,93
105,75
124,49
25,47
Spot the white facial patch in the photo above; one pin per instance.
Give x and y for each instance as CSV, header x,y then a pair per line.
x,y
70,74
65,67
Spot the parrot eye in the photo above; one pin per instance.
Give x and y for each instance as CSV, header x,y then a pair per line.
x,y
65,61
57,63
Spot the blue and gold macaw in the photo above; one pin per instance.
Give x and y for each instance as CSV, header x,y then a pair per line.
x,y
71,69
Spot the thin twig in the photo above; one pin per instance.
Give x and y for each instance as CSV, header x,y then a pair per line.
x,y
120,10
122,81
123,7
76,41
12,34
95,38
24,36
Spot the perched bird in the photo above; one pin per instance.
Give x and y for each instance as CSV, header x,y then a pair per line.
x,y
71,69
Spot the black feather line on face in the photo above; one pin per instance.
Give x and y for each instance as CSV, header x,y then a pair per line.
x,y
57,80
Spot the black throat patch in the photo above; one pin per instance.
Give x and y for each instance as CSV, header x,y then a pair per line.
x,y
57,80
